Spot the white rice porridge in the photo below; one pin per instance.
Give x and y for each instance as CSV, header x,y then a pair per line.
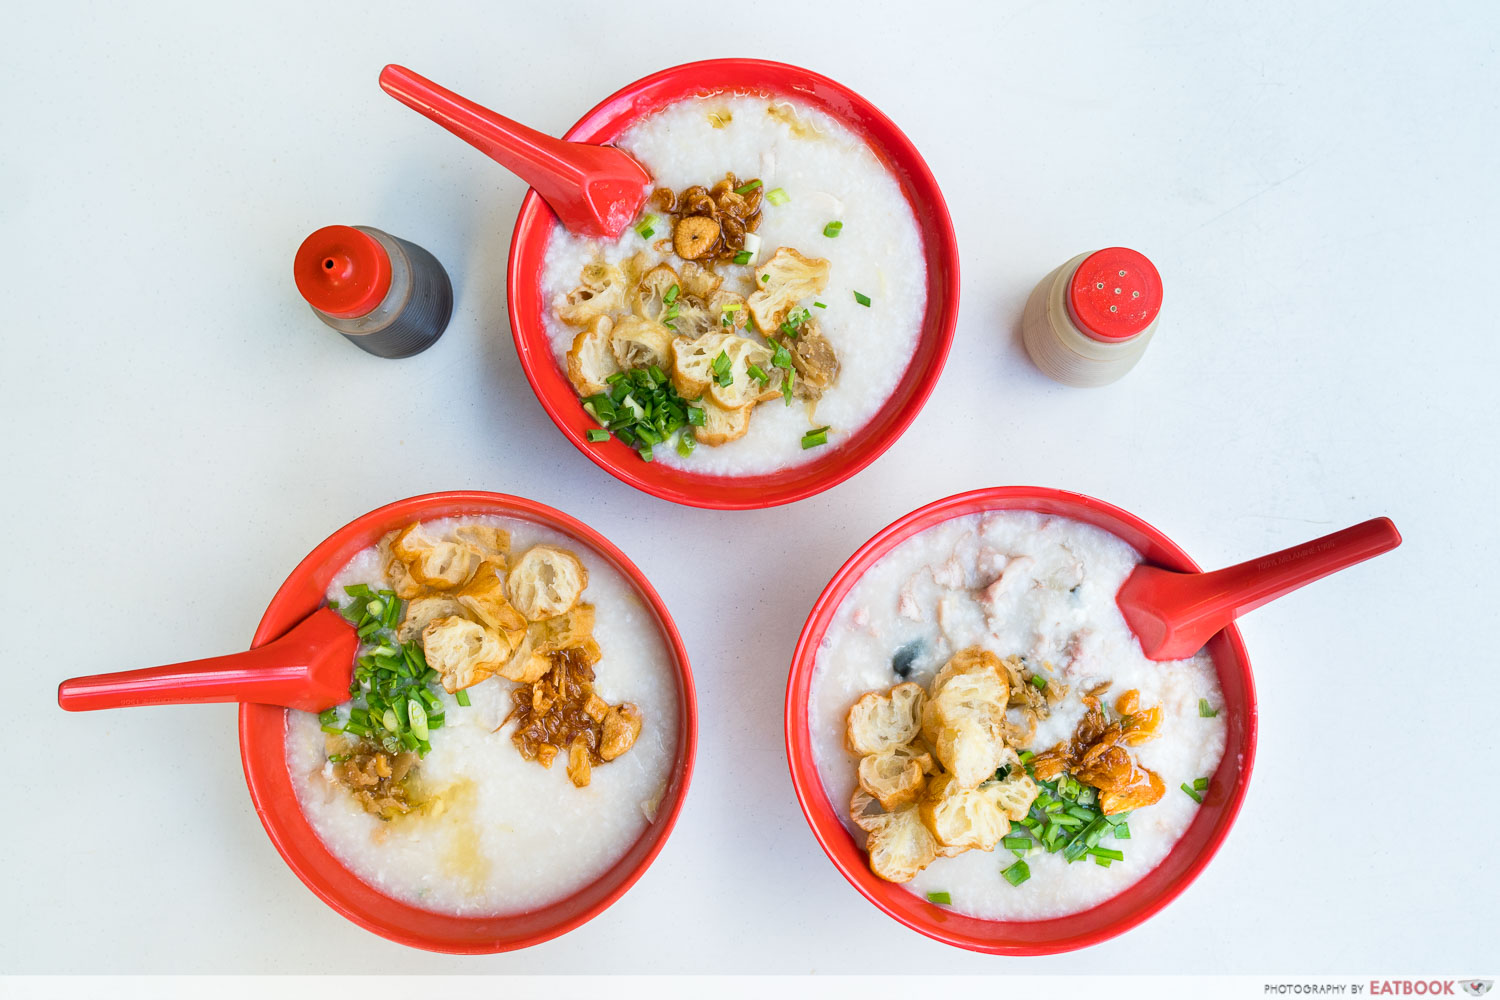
x,y
829,174
511,835
1051,584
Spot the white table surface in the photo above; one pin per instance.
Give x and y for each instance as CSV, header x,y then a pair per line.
x,y
1316,182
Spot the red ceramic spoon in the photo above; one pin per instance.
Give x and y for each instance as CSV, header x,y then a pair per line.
x,y
1174,614
308,668
595,190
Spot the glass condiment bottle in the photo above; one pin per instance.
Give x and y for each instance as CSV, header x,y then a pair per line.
x,y
385,295
1089,321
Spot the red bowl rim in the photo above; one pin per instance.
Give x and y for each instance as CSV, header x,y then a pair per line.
x,y
262,753
1040,937
536,222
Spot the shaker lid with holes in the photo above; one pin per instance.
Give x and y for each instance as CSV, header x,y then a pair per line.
x,y
1115,294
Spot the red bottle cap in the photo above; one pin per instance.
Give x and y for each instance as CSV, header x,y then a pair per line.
x,y
342,272
1114,294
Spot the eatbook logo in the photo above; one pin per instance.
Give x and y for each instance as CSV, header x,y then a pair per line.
x,y
1477,987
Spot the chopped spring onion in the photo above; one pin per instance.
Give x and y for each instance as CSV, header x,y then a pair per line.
x,y
1122,831
1017,873
814,438
1200,784
747,188
1204,711
597,434
777,196
696,416
833,229
642,408
743,257
462,697
786,387
1105,852
862,298
723,374
940,898
418,716
646,228
1016,843
1040,683
685,444
1102,862
820,305
752,244
765,277
1192,794
759,374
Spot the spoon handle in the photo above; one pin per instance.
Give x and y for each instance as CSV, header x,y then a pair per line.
x,y
299,670
538,159
1230,592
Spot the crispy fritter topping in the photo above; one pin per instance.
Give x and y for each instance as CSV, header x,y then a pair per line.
x,y
931,759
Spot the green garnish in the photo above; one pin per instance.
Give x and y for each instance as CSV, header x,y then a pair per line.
x,y
747,188
393,699
1122,831
462,697
671,295
743,257
765,277
1204,711
786,387
1200,784
685,444
1192,794
723,374
1017,873
696,416
814,438
597,434
641,408
794,321
759,374
832,229
940,898
777,196
646,228
1040,683
820,305
1016,843
861,298
1105,852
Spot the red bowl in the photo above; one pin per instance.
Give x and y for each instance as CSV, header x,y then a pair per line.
x,y
263,749
1038,937
604,124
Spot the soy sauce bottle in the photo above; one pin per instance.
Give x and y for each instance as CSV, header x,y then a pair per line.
x,y
385,295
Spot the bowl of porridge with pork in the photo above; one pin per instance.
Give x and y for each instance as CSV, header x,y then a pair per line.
x,y
519,735
778,312
979,743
